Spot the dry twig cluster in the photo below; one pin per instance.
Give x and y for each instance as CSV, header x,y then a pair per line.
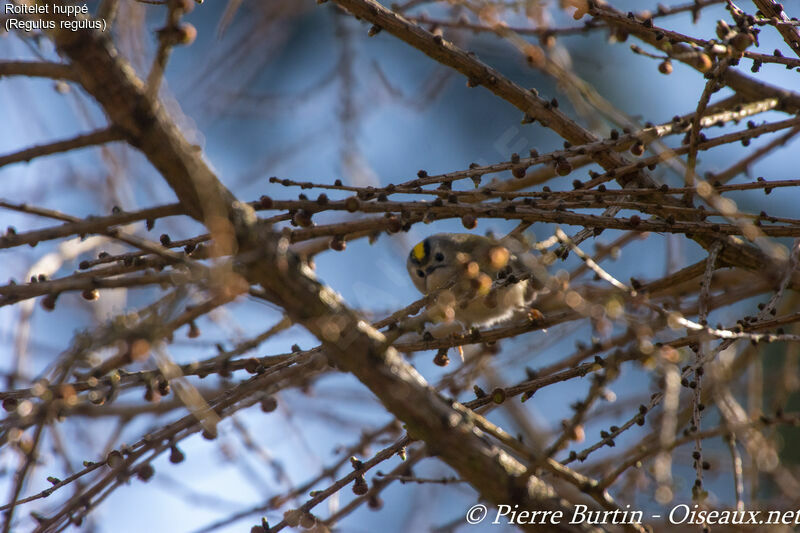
x,y
261,248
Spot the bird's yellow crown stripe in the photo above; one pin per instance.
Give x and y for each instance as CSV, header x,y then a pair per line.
x,y
419,251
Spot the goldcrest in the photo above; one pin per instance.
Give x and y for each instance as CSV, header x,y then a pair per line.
x,y
478,281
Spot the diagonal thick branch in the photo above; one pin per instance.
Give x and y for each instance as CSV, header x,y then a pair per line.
x,y
447,427
143,121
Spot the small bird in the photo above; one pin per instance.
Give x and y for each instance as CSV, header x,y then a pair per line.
x,y
478,279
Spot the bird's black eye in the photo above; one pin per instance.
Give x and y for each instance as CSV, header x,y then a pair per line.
x,y
439,256
420,273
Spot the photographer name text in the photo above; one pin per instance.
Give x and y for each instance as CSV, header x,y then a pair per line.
x,y
581,514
